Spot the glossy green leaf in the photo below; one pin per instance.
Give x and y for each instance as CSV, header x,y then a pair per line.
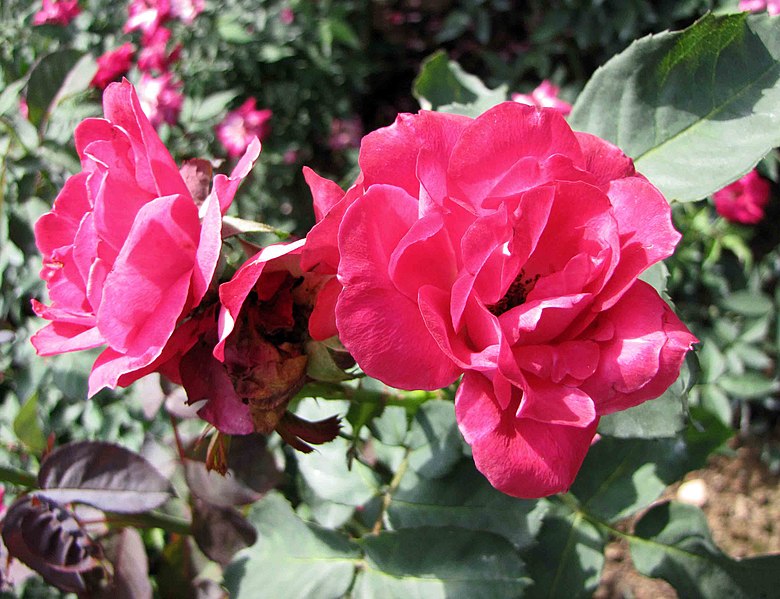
x,y
568,559
748,303
292,558
672,541
696,109
443,85
660,417
464,499
46,79
434,439
436,563
27,426
750,385
621,476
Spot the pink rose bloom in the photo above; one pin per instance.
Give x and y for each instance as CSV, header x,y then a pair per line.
x,y
147,15
112,65
127,252
24,109
505,249
544,96
56,12
286,15
186,10
243,124
744,200
771,6
154,54
160,98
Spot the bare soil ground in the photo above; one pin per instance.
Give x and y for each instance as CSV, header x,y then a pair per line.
x,y
742,503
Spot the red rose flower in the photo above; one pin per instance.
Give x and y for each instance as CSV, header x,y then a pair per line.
x,y
744,200
57,12
112,65
506,249
243,124
544,96
127,252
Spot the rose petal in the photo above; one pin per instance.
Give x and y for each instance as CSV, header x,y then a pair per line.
x,y
519,456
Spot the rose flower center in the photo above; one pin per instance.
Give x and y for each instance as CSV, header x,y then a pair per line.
x,y
516,294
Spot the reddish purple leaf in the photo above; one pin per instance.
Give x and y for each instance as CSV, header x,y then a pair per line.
x,y
47,537
106,476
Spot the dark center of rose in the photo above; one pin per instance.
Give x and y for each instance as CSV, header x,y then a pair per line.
x,y
516,294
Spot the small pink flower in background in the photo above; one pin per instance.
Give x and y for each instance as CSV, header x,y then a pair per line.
x,y
286,15
744,200
186,10
243,124
544,96
505,249
771,6
127,250
24,109
345,133
112,65
161,98
154,54
57,12
147,15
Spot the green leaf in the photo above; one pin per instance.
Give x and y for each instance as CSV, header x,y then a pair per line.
x,y
568,559
748,303
231,30
27,426
660,417
621,476
464,499
443,85
436,563
46,79
750,385
211,106
9,98
695,109
434,439
292,558
326,473
672,541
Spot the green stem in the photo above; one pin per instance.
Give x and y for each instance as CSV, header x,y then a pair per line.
x,y
388,496
16,476
165,522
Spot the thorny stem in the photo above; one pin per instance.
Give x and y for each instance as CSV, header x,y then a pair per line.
x,y
388,496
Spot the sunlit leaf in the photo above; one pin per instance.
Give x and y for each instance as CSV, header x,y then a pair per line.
x,y
672,541
465,499
103,475
293,558
440,562
695,109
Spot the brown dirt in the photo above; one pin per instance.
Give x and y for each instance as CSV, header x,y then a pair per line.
x,y
743,511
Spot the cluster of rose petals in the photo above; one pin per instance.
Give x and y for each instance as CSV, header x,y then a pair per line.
x,y
57,12
744,200
127,251
771,6
112,65
505,249
243,124
544,96
161,98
